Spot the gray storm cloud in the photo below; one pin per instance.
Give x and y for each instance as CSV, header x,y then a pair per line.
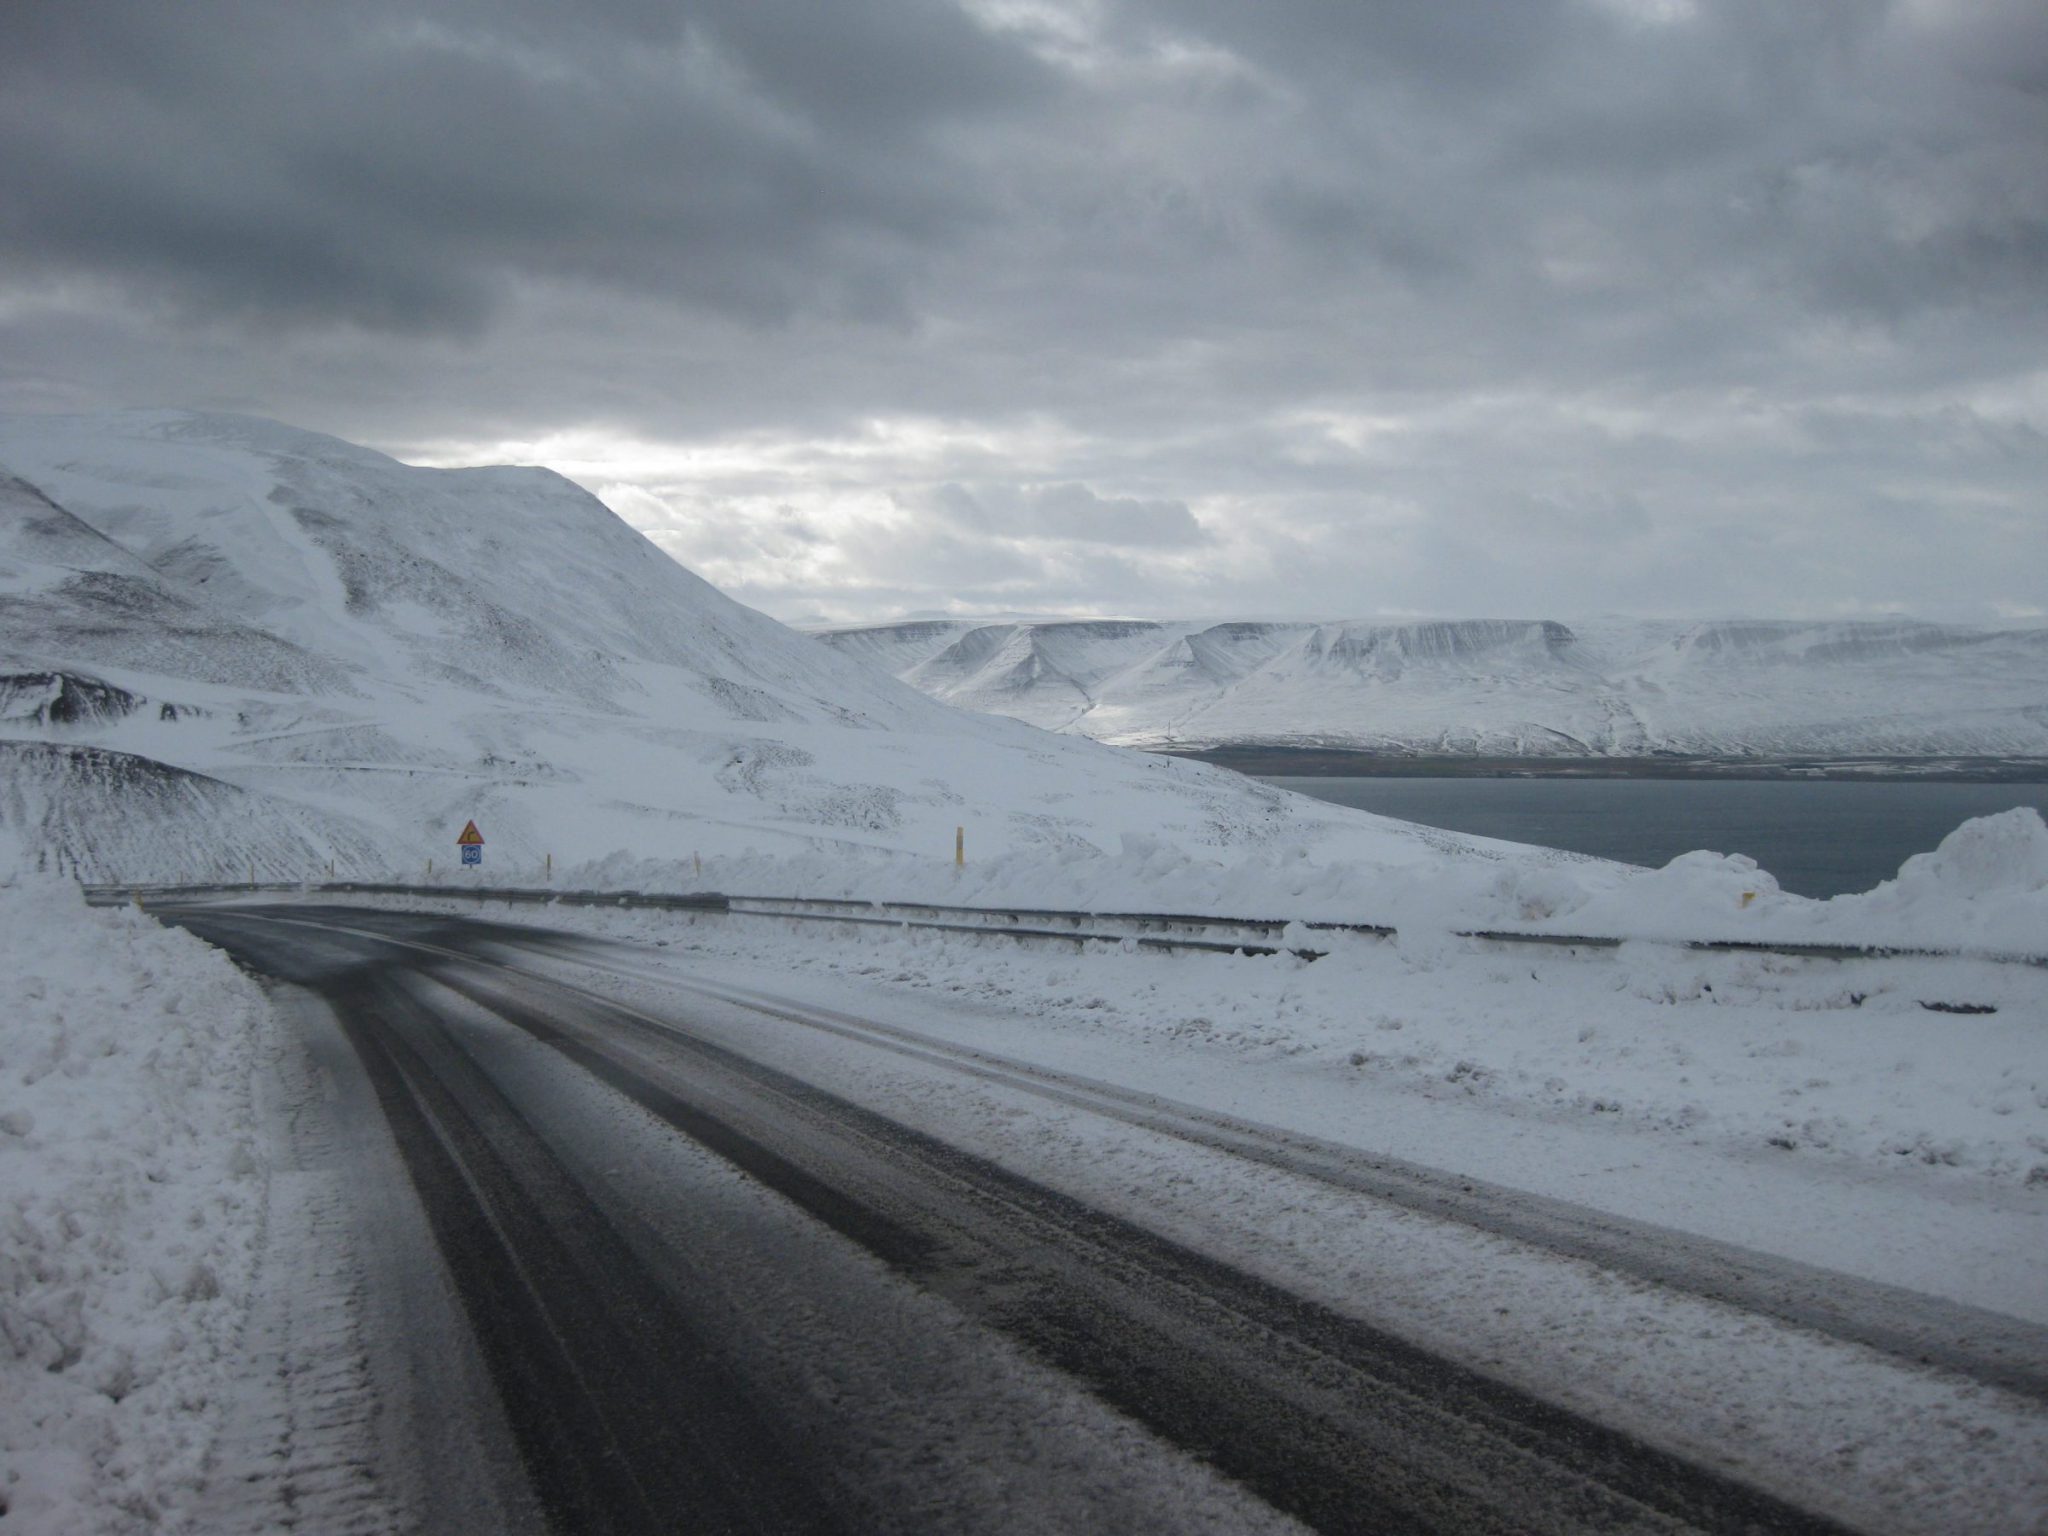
x,y
1662,306
1066,513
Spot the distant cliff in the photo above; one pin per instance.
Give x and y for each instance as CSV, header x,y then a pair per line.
x,y
1492,687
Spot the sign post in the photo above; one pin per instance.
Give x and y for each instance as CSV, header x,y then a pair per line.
x,y
472,844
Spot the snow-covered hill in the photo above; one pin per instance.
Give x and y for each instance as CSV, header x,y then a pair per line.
x,y
226,643
1494,687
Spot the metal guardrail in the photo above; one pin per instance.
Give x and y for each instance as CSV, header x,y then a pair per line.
x,y
1267,926
1274,926
1073,935
1025,922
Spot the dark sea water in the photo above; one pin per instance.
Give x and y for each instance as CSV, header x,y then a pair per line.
x,y
1819,839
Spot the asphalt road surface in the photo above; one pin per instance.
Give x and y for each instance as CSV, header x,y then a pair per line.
x,y
710,1294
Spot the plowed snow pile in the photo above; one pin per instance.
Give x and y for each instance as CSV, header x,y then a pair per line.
x,y
1986,885
1984,889
130,1206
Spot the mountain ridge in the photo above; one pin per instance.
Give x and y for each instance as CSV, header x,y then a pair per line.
x,y
228,646
1533,688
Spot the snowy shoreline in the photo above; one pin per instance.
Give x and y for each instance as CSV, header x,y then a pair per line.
x,y
1261,760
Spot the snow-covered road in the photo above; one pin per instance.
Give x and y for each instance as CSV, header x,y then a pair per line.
x,y
976,1270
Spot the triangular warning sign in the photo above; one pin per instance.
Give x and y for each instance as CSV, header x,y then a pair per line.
x,y
471,838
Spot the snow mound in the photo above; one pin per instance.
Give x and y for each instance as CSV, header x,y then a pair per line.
x,y
1984,890
1991,857
130,1212
1694,896
116,816
1985,886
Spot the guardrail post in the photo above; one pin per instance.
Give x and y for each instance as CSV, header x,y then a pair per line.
x,y
959,847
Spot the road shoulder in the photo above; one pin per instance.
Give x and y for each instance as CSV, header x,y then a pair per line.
x,y
362,1403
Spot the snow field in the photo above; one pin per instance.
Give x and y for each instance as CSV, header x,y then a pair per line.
x,y
308,657
131,1205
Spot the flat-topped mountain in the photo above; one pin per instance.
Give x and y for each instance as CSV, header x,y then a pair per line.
x,y
1491,687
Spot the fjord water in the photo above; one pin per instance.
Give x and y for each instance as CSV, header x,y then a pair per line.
x,y
1818,838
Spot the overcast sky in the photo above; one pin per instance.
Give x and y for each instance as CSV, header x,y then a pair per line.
x,y
1157,307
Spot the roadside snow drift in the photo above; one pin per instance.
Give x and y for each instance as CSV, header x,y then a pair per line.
x,y
130,1207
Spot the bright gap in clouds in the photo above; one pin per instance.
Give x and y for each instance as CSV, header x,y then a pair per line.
x,y
909,514
1496,504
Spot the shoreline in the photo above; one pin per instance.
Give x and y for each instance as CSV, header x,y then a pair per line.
x,y
1338,762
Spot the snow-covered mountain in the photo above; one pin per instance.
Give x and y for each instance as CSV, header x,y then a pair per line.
x,y
226,643
1494,687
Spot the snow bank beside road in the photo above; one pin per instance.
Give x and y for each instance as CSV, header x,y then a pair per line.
x,y
1985,889
130,1207
1985,886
